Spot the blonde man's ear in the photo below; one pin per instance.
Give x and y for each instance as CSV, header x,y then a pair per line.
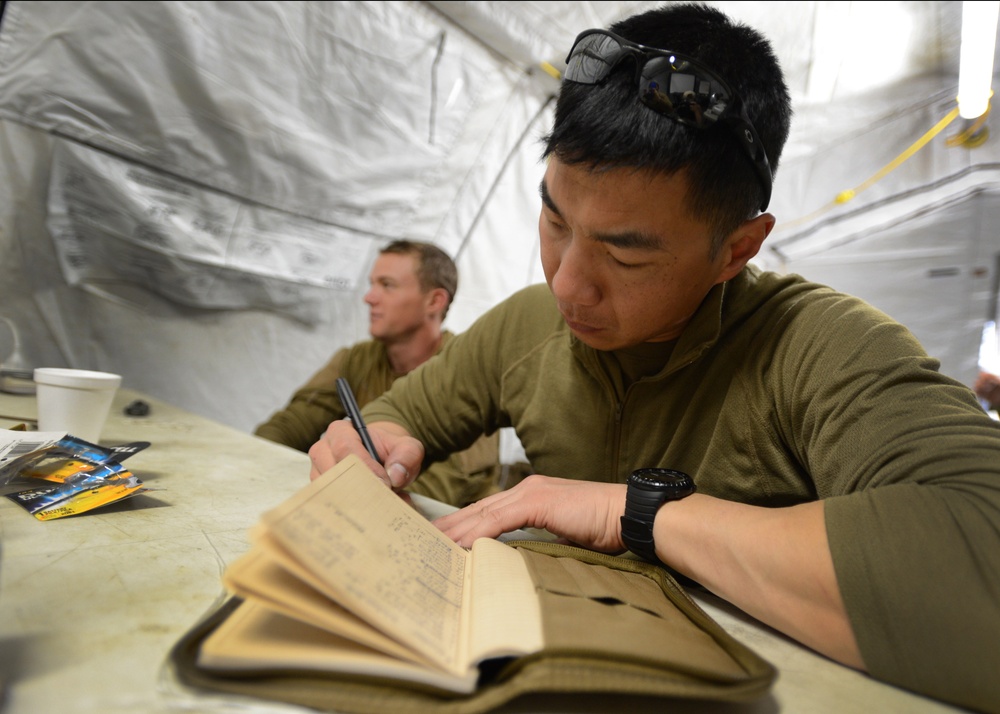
x,y
438,301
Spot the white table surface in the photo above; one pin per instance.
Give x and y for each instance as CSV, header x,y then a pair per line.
x,y
91,605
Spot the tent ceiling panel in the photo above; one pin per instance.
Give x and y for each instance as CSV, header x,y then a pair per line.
x,y
368,120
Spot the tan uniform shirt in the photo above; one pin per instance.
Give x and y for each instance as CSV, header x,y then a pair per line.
x,y
459,479
778,392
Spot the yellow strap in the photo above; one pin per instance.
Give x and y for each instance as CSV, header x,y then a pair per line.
x,y
845,196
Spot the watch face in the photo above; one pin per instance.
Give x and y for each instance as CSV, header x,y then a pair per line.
x,y
660,479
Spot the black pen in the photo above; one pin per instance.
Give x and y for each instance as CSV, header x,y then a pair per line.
x,y
354,414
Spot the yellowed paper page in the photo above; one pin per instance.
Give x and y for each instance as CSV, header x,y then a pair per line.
x,y
504,617
379,558
257,576
255,638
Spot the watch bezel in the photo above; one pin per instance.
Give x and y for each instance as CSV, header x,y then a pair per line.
x,y
655,478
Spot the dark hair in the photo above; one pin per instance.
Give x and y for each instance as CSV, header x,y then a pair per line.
x,y
605,125
435,269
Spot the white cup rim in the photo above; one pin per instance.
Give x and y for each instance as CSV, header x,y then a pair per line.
x,y
78,378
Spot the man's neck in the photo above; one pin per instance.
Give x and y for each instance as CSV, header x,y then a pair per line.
x,y
406,355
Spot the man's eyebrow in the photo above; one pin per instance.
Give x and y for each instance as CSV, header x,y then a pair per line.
x,y
543,191
634,240
631,240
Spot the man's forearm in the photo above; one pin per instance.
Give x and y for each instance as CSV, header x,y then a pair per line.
x,y
773,563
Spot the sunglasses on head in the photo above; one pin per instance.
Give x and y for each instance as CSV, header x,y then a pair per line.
x,y
673,85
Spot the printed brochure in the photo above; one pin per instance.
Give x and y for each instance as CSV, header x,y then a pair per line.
x,y
64,475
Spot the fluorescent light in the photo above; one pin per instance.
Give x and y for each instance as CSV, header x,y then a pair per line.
x,y
975,73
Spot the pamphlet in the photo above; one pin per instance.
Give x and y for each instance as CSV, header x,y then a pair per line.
x,y
64,475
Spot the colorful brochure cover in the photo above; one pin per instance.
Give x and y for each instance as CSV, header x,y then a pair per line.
x,y
83,475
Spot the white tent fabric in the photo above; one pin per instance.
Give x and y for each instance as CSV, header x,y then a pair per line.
x,y
191,193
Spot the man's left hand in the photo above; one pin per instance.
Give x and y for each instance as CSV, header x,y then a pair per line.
x,y
584,513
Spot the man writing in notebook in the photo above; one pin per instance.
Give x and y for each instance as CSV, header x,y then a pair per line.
x,y
411,286
813,467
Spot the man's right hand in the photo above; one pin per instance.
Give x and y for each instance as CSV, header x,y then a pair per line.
x,y
987,388
401,453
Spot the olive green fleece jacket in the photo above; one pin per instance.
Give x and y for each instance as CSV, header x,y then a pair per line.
x,y
779,391
459,479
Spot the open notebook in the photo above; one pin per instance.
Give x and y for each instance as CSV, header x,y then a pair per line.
x,y
345,582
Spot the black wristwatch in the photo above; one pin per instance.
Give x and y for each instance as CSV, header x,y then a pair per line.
x,y
648,489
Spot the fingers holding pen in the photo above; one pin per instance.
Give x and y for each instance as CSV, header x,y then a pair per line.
x,y
401,453
338,442
402,456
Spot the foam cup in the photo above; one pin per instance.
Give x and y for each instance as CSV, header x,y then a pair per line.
x,y
76,401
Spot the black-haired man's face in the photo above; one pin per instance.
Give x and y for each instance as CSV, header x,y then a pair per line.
x,y
624,259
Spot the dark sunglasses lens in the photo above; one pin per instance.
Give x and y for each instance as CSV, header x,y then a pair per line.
x,y
681,91
592,58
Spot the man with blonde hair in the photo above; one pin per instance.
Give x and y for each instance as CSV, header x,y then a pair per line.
x,y
411,286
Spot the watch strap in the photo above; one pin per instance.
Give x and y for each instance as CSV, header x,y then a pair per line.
x,y
648,490
641,506
638,538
